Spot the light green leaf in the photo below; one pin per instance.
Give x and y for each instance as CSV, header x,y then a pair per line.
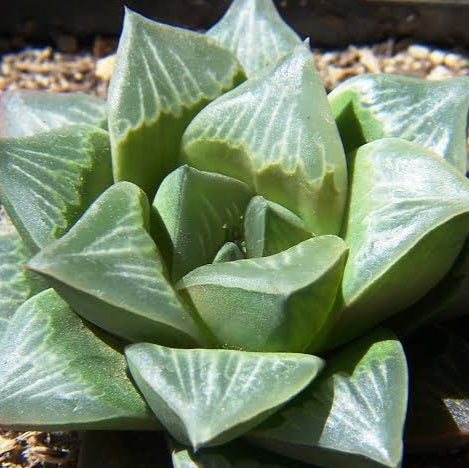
x,y
432,113
56,374
352,415
407,221
286,298
269,228
228,253
48,179
109,270
208,397
200,211
163,77
233,455
255,32
276,132
16,284
24,113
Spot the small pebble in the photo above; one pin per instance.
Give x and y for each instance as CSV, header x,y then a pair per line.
x,y
105,67
452,60
418,51
439,73
437,57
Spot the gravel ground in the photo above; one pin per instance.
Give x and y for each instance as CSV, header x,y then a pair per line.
x,y
89,72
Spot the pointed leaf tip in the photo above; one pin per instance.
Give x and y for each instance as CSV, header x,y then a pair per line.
x,y
405,203
276,132
200,211
352,415
25,112
431,113
255,32
155,92
48,179
208,397
122,285
286,298
56,374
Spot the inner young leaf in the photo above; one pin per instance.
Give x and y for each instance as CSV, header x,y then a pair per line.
x,y
200,211
276,303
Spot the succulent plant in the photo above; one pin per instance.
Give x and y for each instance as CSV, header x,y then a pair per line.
x,y
224,252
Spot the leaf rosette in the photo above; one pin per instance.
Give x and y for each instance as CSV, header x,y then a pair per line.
x,y
193,255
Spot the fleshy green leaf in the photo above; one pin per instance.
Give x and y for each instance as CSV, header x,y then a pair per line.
x,y
255,32
269,228
208,397
276,132
47,180
352,415
16,284
228,253
163,77
233,455
109,270
286,298
200,211
24,113
407,221
432,113
55,373
447,300
439,399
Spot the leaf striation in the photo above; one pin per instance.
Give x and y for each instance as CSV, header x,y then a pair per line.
x,y
209,397
352,415
431,113
276,132
25,113
56,374
121,285
164,75
48,179
255,32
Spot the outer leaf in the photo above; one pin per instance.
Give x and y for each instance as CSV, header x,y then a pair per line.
x,y
353,414
24,113
233,455
228,253
200,211
286,298
16,284
439,405
408,218
255,32
109,270
208,397
276,132
163,77
432,113
269,228
56,374
47,180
